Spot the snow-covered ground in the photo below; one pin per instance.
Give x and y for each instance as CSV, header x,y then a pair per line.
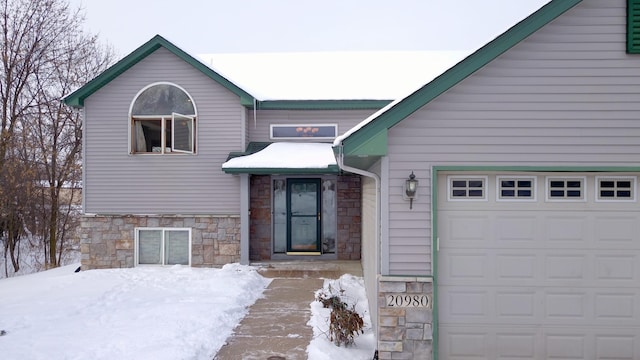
x,y
145,313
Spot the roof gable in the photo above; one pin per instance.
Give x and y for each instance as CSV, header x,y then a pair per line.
x,y
76,98
354,140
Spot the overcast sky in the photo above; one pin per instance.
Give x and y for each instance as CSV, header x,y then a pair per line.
x,y
241,26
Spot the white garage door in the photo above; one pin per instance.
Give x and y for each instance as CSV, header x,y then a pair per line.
x,y
538,266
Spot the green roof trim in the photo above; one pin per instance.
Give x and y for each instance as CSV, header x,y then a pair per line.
x,y
76,98
633,26
319,104
407,106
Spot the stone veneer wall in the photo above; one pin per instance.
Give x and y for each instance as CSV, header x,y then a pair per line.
x,y
108,241
349,204
404,332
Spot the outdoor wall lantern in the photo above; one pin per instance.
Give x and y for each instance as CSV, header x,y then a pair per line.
x,y
410,189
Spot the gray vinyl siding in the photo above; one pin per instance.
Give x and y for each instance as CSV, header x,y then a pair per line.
x,y
566,96
370,250
259,125
116,182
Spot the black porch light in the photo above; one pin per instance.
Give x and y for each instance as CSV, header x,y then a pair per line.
x,y
410,188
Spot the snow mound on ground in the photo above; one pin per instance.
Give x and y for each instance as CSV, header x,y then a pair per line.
x,y
351,290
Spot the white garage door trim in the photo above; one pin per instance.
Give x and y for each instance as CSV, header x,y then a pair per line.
x,y
617,305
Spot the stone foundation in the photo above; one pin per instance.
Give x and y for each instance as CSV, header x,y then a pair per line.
x,y
405,317
108,241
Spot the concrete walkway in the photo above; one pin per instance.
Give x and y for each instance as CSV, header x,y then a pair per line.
x,y
276,326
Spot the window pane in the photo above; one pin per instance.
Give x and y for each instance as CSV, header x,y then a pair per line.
x,y
524,183
304,199
524,193
573,193
624,184
624,193
607,193
147,135
162,99
279,216
459,193
556,184
303,131
149,246
475,193
476,183
508,183
329,212
176,249
574,184
557,193
508,193
182,133
606,184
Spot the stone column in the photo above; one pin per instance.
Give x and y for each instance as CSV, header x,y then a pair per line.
x,y
405,317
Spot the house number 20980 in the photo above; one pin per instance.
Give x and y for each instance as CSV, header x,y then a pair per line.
x,y
408,300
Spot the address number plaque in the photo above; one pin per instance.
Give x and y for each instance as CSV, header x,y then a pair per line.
x,y
408,300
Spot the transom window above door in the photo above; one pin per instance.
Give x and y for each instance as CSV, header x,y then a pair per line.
x,y
162,121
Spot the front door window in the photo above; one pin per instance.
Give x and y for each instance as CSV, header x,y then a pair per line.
x,y
304,216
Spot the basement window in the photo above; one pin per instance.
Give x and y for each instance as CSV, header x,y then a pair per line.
x,y
163,246
467,188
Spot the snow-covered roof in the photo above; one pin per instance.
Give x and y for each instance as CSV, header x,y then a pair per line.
x,y
332,75
286,155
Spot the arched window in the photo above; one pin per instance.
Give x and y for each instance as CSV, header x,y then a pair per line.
x,y
163,121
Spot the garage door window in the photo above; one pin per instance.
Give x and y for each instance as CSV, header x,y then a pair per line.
x,y
510,188
616,188
565,189
467,188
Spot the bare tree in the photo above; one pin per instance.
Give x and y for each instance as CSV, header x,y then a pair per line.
x,y
45,55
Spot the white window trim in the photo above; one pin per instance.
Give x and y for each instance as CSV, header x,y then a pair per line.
x,y
136,244
534,192
130,120
633,179
313,138
485,188
547,188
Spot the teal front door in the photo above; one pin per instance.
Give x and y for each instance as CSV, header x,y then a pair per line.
x,y
303,217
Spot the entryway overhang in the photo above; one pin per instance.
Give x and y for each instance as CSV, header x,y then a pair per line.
x,y
283,158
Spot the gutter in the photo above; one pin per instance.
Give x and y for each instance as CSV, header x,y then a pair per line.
x,y
376,178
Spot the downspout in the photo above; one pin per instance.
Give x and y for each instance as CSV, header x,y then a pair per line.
x,y
376,178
